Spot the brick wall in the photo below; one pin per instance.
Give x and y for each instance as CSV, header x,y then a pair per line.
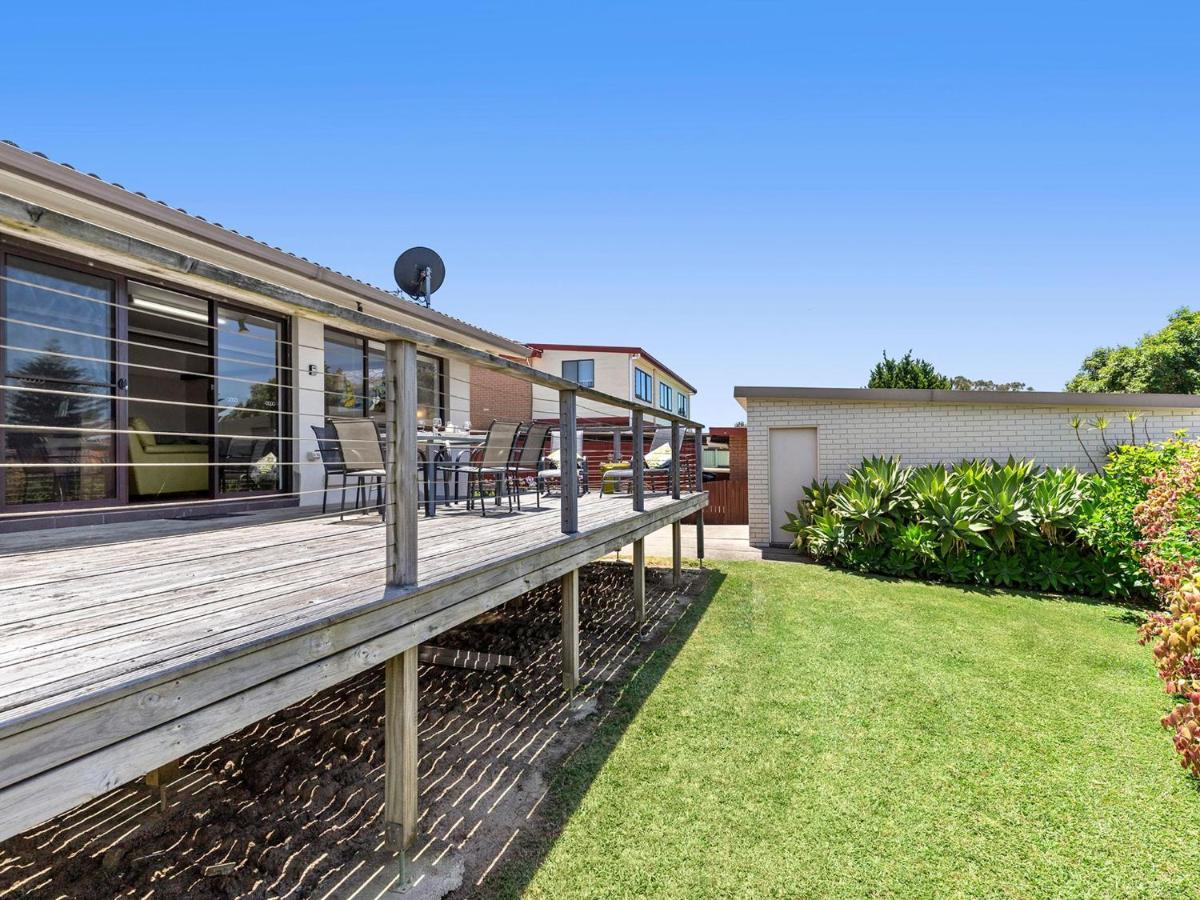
x,y
498,396
935,433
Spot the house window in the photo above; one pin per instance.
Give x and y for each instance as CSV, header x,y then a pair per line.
x,y
682,406
581,371
431,388
643,385
666,396
355,369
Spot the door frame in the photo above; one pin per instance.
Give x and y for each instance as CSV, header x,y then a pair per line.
x,y
816,430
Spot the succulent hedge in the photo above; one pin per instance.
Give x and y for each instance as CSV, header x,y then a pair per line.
x,y
978,522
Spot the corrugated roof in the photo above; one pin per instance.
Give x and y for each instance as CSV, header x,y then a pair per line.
x,y
138,203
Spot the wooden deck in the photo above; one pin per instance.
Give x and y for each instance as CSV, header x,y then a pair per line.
x,y
121,649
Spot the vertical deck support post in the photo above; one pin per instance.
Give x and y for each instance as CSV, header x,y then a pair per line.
x,y
567,451
638,461
569,583
676,527
616,454
569,588
700,489
400,722
400,672
639,579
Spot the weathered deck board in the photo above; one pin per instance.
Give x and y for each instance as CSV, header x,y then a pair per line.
x,y
102,676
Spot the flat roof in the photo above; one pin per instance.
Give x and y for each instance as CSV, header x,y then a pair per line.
x,y
63,177
1006,398
610,348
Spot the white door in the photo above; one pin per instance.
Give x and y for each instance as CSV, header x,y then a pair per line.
x,y
793,466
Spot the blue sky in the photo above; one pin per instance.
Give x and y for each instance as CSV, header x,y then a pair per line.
x,y
760,193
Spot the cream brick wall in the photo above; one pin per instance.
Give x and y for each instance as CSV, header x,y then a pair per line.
x,y
935,433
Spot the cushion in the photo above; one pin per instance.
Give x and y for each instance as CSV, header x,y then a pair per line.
x,y
142,427
659,457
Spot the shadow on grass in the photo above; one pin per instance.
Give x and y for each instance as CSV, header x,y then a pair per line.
x,y
578,769
1132,609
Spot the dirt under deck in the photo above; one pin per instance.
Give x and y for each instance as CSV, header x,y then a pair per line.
x,y
292,806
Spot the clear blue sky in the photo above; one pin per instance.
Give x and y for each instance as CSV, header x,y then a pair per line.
x,y
760,193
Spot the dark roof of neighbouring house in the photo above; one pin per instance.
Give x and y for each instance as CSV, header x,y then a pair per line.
x,y
63,176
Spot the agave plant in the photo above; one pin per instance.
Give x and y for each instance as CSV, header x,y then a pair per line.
x,y
954,520
870,501
967,474
824,536
815,501
1056,502
1003,503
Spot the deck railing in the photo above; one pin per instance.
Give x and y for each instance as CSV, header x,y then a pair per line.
x,y
69,421
66,428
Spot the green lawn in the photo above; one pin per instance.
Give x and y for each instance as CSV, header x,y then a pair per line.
x,y
821,733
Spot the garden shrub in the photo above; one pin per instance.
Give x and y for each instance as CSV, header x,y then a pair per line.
x,y
1109,527
1168,525
979,522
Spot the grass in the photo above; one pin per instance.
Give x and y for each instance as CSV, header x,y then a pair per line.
x,y
810,732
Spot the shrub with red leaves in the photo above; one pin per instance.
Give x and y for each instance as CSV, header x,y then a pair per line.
x,y
1169,524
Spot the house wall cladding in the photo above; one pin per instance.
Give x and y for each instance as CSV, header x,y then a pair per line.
x,y
937,433
495,395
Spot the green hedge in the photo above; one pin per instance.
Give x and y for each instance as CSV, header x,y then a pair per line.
x,y
978,522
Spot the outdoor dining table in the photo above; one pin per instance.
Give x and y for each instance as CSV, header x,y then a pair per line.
x,y
446,440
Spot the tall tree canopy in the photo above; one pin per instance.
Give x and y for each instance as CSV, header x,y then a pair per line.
x,y
1166,361
963,383
907,372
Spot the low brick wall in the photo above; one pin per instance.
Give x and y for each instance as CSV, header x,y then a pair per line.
x,y
941,432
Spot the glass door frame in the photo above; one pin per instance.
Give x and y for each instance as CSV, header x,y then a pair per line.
x,y
118,356
283,364
119,338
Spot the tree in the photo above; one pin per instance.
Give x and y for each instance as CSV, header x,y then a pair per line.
x,y
962,383
907,372
1166,361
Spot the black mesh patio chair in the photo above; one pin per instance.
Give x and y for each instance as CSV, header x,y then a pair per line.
x,y
526,462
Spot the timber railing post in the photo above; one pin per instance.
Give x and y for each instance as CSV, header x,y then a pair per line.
x,y
700,489
676,459
567,451
637,456
400,671
401,512
676,527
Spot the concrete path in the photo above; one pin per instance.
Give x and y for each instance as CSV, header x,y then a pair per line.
x,y
720,542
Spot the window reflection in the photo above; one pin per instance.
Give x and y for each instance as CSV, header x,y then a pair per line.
x,y
249,402
58,374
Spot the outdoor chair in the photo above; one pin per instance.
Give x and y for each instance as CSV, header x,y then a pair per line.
x,y
551,470
656,464
491,461
527,460
361,451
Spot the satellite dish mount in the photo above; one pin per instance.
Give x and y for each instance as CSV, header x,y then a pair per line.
x,y
419,272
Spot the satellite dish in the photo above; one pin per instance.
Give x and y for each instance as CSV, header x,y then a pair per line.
x,y
419,272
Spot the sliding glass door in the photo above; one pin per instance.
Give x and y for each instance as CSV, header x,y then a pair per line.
x,y
250,407
60,381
